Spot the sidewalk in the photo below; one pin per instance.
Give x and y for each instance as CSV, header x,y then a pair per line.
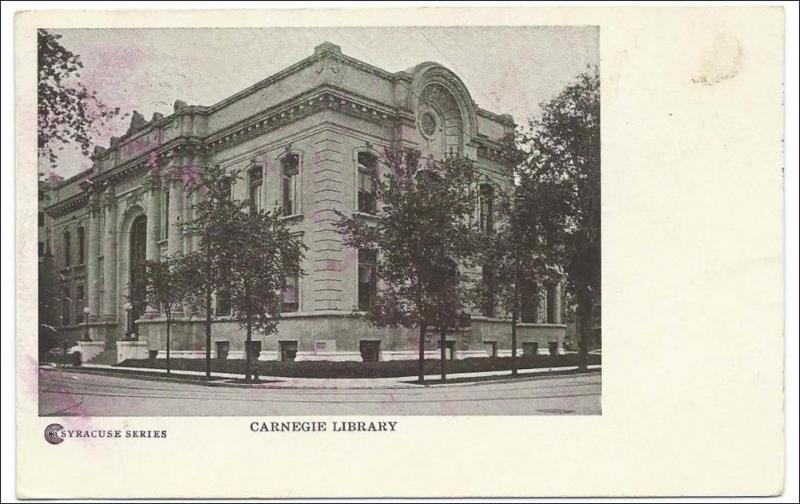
x,y
273,382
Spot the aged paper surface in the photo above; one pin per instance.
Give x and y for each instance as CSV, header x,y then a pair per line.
x,y
692,254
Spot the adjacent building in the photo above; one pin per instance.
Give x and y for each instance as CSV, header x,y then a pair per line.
x,y
307,138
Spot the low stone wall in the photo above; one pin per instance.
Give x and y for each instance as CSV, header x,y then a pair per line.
x,y
132,350
337,336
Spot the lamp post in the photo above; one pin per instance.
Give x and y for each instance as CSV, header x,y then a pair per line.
x,y
129,331
86,324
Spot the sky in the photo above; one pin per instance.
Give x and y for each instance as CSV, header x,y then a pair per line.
x,y
506,69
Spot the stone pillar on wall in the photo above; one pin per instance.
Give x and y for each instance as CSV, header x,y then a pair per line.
x,y
176,218
110,256
153,250
174,231
94,251
327,188
559,303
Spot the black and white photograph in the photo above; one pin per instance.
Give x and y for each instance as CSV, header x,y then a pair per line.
x,y
297,221
399,251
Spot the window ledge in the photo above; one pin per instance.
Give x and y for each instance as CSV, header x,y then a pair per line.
x,y
365,215
73,268
292,218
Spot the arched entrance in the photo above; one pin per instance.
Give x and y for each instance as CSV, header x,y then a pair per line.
x,y
136,271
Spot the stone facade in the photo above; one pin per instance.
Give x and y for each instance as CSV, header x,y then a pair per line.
x,y
317,116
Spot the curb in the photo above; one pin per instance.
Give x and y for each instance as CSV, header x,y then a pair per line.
x,y
280,382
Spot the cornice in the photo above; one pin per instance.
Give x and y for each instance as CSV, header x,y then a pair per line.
x,y
322,98
68,205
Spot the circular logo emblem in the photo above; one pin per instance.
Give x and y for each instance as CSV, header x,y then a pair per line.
x,y
51,433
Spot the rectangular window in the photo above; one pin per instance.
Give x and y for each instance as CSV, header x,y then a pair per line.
x,y
41,219
487,208
290,168
367,163
551,305
290,299
530,348
488,279
256,176
288,350
67,249
165,223
227,188
529,301
370,350
367,281
81,245
65,303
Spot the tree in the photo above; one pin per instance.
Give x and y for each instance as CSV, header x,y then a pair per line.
x,y
261,254
526,248
214,213
563,149
165,291
423,231
49,297
68,112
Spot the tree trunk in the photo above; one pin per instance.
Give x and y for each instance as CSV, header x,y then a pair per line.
x,y
583,318
169,325
514,316
247,350
421,368
208,312
443,350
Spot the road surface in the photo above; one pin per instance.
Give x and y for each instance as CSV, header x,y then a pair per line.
x,y
67,393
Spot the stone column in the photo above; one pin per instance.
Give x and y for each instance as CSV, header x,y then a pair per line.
x,y
110,257
153,252
175,233
94,250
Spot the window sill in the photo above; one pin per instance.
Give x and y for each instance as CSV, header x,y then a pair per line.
x,y
292,218
365,215
75,268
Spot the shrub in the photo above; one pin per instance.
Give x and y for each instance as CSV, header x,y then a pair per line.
x,y
355,369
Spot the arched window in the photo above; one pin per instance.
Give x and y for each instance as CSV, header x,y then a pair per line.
x,y
290,169
551,304
367,164
81,245
138,247
67,249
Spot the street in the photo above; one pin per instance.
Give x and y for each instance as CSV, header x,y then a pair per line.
x,y
66,393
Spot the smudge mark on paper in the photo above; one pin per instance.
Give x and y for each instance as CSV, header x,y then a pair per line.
x,y
720,60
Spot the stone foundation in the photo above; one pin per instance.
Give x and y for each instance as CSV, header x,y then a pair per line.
x,y
337,336
132,350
